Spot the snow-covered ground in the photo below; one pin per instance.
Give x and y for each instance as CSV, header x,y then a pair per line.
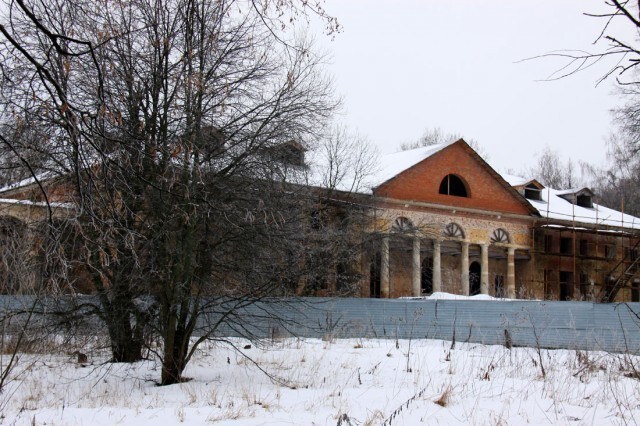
x,y
347,382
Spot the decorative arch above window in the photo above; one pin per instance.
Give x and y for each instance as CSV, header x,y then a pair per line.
x,y
402,224
453,230
453,185
500,236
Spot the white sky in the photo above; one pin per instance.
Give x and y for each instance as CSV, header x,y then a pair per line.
x,y
403,66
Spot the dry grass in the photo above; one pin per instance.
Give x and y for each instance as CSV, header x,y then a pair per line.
x,y
445,397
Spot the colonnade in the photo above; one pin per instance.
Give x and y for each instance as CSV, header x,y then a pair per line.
x,y
437,268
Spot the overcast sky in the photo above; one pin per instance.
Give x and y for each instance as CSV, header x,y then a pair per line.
x,y
403,66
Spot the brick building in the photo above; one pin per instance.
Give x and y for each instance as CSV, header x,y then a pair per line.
x,y
440,219
446,221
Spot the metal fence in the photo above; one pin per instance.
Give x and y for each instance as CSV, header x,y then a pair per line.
x,y
568,325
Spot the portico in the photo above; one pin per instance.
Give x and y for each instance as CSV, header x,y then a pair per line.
x,y
415,261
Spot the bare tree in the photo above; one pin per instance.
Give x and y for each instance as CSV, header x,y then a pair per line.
x,y
345,161
169,118
551,171
616,181
436,136
616,48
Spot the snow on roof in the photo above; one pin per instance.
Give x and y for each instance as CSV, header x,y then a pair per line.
x,y
554,207
393,164
574,191
516,180
322,174
450,296
26,182
37,203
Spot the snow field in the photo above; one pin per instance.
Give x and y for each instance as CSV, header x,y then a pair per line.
x,y
316,382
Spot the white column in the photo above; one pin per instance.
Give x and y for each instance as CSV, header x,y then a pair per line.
x,y
511,273
437,273
464,267
384,268
417,288
484,275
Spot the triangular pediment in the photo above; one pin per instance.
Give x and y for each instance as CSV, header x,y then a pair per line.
x,y
454,175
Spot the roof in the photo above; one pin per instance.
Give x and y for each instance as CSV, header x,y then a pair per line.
x,y
392,165
576,191
556,206
341,176
26,182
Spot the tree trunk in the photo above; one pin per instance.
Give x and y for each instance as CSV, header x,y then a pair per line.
x,y
175,357
126,340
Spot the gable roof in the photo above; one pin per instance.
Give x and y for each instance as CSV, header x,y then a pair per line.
x,y
394,165
575,191
520,182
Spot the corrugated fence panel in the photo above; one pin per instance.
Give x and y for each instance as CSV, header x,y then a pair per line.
x,y
570,325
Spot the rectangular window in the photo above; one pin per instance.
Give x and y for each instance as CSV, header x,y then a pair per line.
x,y
566,245
550,290
532,194
566,285
584,247
609,251
548,243
585,291
635,291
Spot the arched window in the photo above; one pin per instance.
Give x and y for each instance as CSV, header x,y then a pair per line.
x,y
453,230
500,236
402,224
453,185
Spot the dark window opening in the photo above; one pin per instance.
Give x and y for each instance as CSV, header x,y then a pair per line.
x,y
474,278
632,254
609,251
291,153
566,285
453,185
498,283
374,276
318,220
427,276
584,248
318,282
550,290
585,291
566,246
584,201
532,193
548,243
346,277
635,292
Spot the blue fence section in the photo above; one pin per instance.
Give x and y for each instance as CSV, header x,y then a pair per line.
x,y
547,324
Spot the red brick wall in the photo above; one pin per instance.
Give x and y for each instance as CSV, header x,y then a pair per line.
x,y
422,183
